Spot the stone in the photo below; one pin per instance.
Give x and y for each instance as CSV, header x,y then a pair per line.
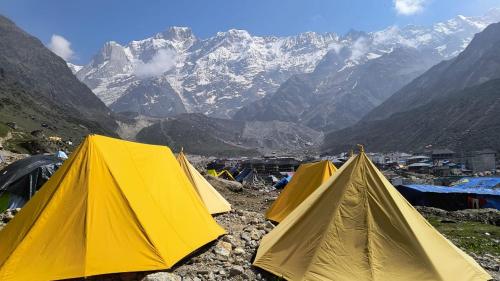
x,y
236,270
245,236
223,249
225,184
253,244
162,276
239,251
202,271
255,234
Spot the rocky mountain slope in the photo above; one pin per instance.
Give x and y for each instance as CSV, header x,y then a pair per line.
x,y
39,92
219,75
478,63
333,96
203,135
455,104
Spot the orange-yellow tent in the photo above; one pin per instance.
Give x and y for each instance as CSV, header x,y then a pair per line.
x,y
307,178
362,229
212,199
114,206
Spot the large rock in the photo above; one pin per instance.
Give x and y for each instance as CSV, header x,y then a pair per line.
x,y
219,183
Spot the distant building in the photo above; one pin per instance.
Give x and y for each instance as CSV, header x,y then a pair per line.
x,y
422,168
441,171
442,154
481,161
417,159
389,158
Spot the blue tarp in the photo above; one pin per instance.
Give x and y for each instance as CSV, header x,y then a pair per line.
x,y
243,174
456,197
453,189
482,183
283,182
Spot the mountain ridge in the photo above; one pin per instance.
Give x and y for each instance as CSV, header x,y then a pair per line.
x,y
39,92
220,74
454,105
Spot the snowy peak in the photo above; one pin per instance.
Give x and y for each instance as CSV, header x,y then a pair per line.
x,y
111,51
74,68
221,74
177,33
235,34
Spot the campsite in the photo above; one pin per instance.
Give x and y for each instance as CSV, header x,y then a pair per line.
x,y
323,140
249,221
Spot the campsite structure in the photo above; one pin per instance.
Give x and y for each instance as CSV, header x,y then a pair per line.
x,y
361,229
468,193
305,181
20,180
126,206
211,198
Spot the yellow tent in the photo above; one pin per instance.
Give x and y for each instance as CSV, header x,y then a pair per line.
x,y
307,178
214,202
362,229
212,172
114,206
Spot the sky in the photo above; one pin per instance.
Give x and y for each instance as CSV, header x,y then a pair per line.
x,y
77,29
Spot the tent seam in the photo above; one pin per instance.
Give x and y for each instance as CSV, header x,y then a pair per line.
x,y
323,237
368,224
154,201
136,218
416,237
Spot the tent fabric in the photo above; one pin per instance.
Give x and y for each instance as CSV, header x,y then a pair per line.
x,y
212,199
305,181
362,229
241,176
62,155
225,174
212,172
20,180
113,206
283,182
251,179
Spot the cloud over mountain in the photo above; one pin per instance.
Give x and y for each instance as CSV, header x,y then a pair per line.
x,y
61,47
409,7
161,62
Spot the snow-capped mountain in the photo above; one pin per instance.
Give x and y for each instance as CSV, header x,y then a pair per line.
x,y
219,75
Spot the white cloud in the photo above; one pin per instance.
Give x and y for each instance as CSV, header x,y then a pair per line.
x,y
359,48
337,47
61,47
161,62
409,7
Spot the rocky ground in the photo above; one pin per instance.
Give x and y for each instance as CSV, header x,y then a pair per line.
x,y
7,157
230,257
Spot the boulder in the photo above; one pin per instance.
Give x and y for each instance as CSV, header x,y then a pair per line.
x,y
219,183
